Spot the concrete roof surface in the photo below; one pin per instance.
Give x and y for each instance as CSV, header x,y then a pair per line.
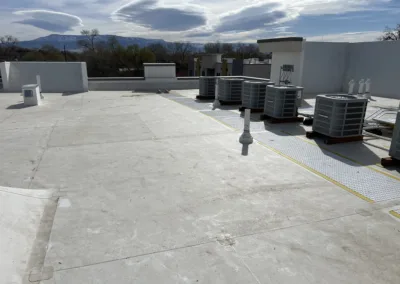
x,y
122,187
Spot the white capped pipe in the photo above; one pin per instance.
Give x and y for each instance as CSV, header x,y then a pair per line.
x,y
351,87
216,89
246,137
247,113
361,86
216,101
368,88
39,82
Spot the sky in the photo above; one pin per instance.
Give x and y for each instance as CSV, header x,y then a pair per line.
x,y
202,21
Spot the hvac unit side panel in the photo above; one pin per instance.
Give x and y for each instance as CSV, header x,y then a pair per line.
x,y
339,115
395,145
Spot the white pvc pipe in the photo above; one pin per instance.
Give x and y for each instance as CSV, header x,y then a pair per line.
x,y
361,86
216,101
216,89
351,87
247,113
368,86
246,138
39,82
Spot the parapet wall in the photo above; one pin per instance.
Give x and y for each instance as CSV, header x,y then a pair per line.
x,y
57,77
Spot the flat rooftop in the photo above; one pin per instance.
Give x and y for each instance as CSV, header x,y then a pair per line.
x,y
122,187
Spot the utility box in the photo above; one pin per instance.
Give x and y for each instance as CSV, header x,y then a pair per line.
x,y
339,115
394,151
31,95
282,101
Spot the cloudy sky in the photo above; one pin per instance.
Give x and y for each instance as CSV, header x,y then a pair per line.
x,y
202,21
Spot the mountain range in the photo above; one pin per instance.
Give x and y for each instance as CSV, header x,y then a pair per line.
x,y
70,41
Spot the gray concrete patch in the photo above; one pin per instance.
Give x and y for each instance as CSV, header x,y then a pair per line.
x,y
352,249
25,223
21,151
100,129
208,263
153,191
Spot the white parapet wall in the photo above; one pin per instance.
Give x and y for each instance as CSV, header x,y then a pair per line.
x,y
159,71
141,84
158,76
57,77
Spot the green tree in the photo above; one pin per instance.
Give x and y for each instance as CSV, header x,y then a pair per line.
x,y
146,56
160,51
50,53
33,56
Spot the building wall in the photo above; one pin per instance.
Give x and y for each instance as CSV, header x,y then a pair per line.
x,y
237,67
324,67
379,61
191,67
291,58
209,60
218,69
257,70
54,76
230,68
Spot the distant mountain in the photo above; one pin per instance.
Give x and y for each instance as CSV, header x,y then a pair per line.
x,y
70,41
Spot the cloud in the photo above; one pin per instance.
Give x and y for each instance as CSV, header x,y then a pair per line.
x,y
347,37
252,18
49,20
210,20
325,7
149,14
200,34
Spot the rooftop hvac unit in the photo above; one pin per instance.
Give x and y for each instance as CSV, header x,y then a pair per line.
x,y
253,94
394,151
339,115
282,101
207,87
230,90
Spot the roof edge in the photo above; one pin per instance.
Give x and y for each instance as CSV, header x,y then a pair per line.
x,y
280,39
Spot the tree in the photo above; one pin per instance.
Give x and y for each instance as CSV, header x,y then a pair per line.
x,y
146,56
247,51
7,44
8,40
213,47
227,48
33,56
391,34
89,43
113,43
180,51
49,48
160,51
